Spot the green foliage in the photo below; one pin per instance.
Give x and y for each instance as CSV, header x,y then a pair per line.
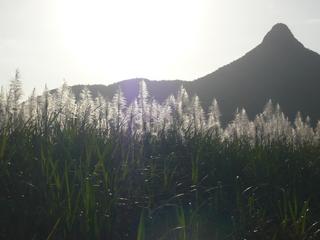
x,y
66,178
78,184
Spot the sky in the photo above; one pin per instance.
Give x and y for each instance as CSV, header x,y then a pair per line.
x,y
105,41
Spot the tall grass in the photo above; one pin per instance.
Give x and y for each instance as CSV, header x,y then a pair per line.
x,y
92,169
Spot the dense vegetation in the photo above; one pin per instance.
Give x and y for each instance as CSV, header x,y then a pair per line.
x,y
97,169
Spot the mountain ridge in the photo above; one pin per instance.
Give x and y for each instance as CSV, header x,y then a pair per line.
x,y
279,68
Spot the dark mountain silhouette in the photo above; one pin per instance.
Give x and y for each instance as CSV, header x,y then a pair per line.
x,y
280,68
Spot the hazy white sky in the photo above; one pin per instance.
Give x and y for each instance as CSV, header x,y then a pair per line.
x,y
104,41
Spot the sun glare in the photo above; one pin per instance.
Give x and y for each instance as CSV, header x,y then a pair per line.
x,y
133,38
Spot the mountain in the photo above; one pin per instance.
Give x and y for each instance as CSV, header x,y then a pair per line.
x,y
279,68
